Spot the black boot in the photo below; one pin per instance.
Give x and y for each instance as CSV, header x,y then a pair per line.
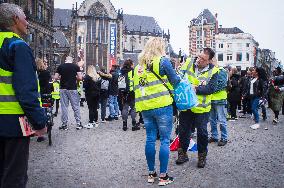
x,y
182,157
135,126
124,127
201,160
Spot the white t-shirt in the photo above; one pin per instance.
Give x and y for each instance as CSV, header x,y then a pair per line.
x,y
251,86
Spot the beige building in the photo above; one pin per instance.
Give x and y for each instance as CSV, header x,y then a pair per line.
x,y
202,32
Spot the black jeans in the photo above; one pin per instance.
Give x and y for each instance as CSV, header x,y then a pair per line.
x,y
93,103
14,156
56,105
188,121
233,109
247,105
103,101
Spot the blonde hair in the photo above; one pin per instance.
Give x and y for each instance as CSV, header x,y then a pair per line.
x,y
91,71
40,64
154,47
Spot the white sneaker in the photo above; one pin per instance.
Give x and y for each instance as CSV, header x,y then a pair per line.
x,y
96,124
103,121
89,126
255,126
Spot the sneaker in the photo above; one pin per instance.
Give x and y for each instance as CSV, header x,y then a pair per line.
x,y
40,139
96,124
266,128
233,119
55,115
79,126
151,177
103,121
243,116
109,118
116,117
275,121
211,140
222,142
89,126
165,180
63,127
255,126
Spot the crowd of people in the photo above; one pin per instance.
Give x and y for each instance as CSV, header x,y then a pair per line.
x,y
222,94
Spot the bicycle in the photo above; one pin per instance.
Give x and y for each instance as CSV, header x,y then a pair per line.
x,y
47,104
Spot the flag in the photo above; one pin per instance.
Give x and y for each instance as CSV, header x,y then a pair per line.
x,y
192,146
175,145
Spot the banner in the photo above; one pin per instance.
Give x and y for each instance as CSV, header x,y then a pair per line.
x,y
112,45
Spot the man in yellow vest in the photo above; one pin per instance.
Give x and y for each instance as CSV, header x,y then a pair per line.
x,y
19,98
218,111
203,76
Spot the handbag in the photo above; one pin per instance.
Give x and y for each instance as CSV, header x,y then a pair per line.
x,y
184,95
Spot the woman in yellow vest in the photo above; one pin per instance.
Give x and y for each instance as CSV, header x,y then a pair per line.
x,y
153,100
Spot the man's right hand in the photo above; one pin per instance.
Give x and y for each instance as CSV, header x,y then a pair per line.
x,y
40,132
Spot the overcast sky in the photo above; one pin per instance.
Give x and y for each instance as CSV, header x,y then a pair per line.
x,y
263,19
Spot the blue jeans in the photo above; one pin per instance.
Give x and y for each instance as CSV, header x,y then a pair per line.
x,y
254,108
113,106
218,113
158,119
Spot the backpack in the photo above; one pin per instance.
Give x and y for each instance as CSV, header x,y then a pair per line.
x,y
121,82
104,84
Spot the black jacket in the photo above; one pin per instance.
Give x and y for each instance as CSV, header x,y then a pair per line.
x,y
260,89
234,94
92,88
113,83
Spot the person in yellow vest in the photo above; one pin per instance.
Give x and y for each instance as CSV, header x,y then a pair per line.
x,y
218,112
19,97
56,95
154,101
203,76
128,95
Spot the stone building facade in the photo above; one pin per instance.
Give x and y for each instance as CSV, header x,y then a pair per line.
x,y
39,15
103,36
235,48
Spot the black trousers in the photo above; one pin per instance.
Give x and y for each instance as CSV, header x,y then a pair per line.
x,y
56,105
93,104
233,109
14,156
247,105
188,121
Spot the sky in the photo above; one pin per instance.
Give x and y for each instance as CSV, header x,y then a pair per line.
x,y
262,18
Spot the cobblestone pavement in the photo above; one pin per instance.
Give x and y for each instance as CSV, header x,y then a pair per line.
x,y
109,157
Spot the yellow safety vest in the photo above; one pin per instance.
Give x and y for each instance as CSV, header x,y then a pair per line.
x,y
220,95
9,104
150,93
131,80
202,79
55,94
79,87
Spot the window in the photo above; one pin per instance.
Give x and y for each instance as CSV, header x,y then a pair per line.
x,y
211,32
221,45
40,12
239,57
247,56
211,44
247,45
198,33
229,45
229,57
220,57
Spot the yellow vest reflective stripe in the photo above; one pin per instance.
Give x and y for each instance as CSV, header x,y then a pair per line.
x,y
203,79
55,93
152,94
131,80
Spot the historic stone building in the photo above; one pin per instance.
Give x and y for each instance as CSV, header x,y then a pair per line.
x,y
39,15
103,36
202,32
